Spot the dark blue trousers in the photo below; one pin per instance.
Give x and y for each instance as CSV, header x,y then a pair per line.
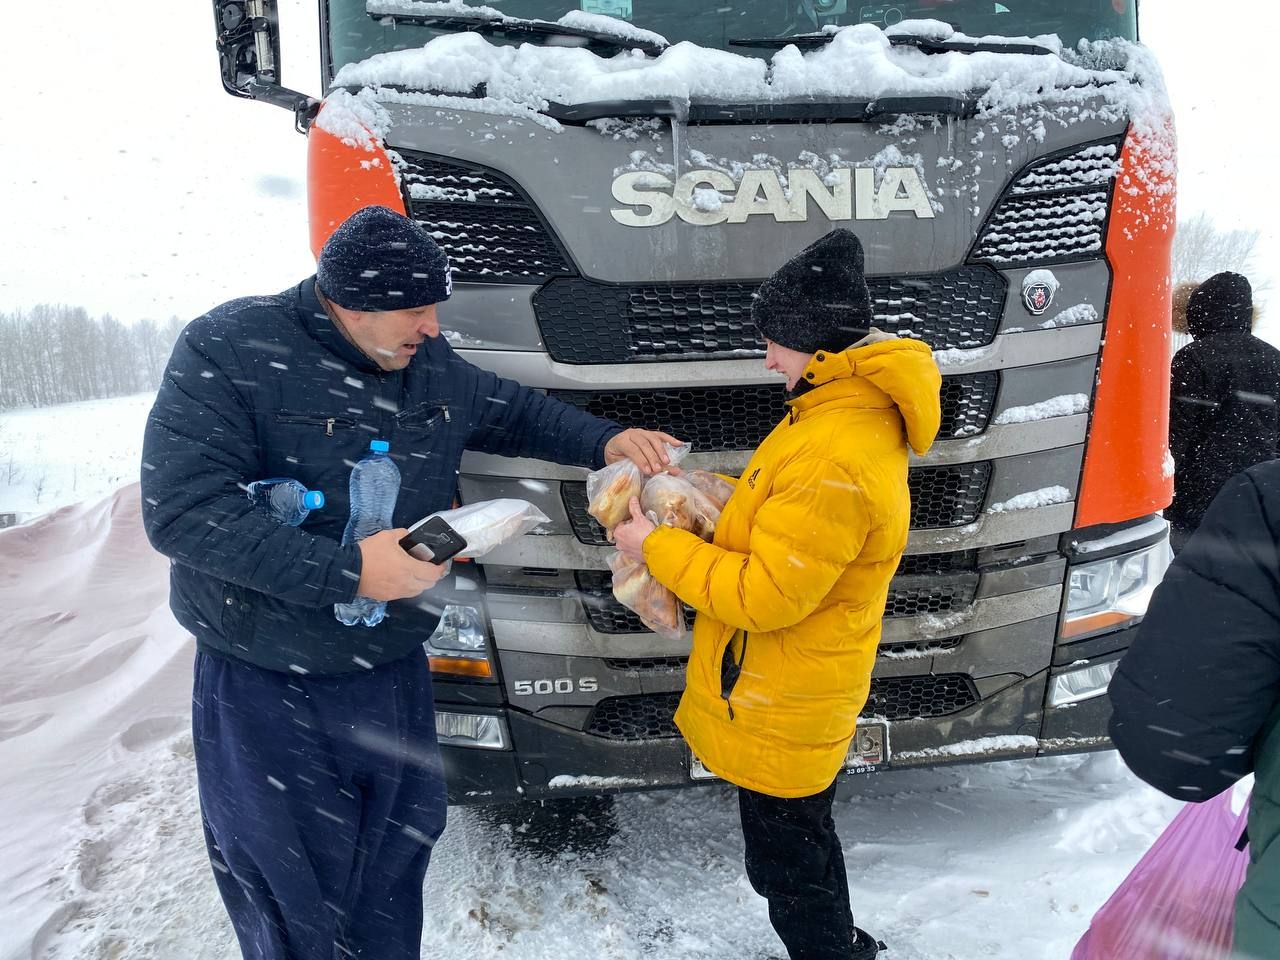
x,y
321,799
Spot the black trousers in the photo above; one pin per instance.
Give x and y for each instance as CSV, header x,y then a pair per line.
x,y
795,862
322,798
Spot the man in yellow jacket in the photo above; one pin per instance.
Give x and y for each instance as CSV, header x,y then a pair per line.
x,y
791,593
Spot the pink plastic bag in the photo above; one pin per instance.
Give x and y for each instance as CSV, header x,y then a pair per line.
x,y
1178,903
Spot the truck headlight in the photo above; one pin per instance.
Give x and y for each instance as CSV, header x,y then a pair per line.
x,y
460,643
1084,683
1113,593
482,731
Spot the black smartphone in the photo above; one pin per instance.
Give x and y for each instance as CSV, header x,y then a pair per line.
x,y
434,540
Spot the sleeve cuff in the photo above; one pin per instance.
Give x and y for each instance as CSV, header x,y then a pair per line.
x,y
664,555
609,434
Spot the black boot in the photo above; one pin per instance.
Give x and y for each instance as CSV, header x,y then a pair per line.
x,y
866,946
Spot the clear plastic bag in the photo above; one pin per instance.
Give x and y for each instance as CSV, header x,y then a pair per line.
x,y
1178,903
609,490
609,493
675,501
636,589
713,487
487,524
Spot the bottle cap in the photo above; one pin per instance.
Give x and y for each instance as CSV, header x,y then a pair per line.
x,y
313,499
379,446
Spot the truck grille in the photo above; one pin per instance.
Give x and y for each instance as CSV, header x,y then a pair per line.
x,y
905,698
583,321
967,402
1056,211
920,648
710,418
949,496
647,664
651,716
739,418
930,596
487,225
935,563
604,612
912,599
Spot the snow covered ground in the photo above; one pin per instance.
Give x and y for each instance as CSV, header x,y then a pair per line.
x,y
100,848
54,456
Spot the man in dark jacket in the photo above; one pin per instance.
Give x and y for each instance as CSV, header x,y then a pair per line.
x,y
1196,699
320,781
1223,413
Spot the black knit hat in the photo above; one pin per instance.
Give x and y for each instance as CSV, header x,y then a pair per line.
x,y
381,260
1222,304
817,300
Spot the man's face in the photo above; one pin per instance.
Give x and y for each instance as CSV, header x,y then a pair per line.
x,y
790,363
391,337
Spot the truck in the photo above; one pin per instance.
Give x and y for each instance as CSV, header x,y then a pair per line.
x,y
611,181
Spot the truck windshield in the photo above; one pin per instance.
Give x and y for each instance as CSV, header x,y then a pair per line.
x,y
353,35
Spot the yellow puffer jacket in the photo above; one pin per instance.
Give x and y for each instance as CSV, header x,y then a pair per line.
x,y
796,581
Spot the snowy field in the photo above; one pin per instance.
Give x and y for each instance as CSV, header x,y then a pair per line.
x,y
77,452
101,854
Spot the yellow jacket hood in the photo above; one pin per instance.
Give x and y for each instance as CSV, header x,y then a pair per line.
x,y
886,372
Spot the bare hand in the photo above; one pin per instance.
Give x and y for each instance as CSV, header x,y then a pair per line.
x,y
629,537
647,449
388,573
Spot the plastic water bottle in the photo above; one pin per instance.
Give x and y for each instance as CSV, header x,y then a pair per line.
x,y
375,484
284,500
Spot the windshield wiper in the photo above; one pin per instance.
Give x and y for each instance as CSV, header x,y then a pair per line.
x,y
811,41
593,40
933,45
805,41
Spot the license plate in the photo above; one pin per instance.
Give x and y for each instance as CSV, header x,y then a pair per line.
x,y
867,751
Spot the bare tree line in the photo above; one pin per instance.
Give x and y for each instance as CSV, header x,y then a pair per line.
x,y
55,353
1201,249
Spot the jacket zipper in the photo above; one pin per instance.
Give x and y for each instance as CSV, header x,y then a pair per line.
x,y
442,413
327,422
730,672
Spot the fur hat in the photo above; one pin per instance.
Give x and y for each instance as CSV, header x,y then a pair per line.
x,y
381,260
1181,294
817,300
1222,304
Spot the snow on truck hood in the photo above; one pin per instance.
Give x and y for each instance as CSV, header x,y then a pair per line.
x,y
858,63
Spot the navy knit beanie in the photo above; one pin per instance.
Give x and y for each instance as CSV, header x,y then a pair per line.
x,y
381,260
1222,304
817,300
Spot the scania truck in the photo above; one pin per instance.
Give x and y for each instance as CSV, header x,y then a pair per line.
x,y
612,179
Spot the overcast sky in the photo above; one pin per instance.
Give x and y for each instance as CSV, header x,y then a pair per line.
x,y
134,185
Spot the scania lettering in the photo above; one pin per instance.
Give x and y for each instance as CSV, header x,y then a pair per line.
x,y
611,190
845,195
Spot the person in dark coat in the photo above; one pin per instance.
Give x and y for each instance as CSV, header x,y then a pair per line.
x,y
321,787
1196,699
1223,413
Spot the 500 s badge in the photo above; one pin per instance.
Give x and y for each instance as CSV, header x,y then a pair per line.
x,y
542,688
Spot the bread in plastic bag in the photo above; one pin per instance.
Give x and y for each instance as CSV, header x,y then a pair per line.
x,y
609,493
636,589
715,488
487,524
609,490
675,501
